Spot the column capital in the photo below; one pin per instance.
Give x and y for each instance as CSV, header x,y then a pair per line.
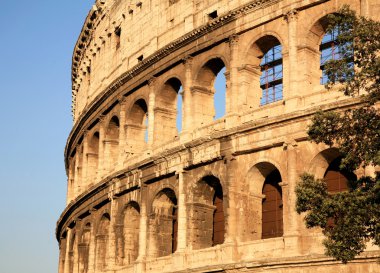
x,y
122,100
289,144
102,118
233,40
188,61
291,15
152,81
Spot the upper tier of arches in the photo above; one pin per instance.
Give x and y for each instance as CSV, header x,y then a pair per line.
x,y
261,72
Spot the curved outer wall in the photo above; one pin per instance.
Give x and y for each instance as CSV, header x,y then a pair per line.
x,y
144,196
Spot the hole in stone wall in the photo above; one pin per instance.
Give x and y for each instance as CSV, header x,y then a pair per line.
x,y
213,15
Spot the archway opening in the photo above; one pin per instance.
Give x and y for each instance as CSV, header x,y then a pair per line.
x,y
220,86
207,216
137,127
164,224
272,211
131,229
168,111
209,94
112,142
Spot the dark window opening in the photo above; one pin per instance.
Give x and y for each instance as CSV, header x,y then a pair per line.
x,y
174,229
140,58
272,223
337,179
213,15
218,219
117,35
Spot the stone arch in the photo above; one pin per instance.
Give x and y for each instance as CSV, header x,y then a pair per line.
x,y
319,164
102,242
166,112
163,225
207,213
83,248
111,142
263,71
130,232
204,91
211,173
93,157
265,202
313,38
326,165
137,127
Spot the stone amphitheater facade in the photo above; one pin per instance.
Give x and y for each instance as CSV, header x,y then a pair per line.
x,y
144,196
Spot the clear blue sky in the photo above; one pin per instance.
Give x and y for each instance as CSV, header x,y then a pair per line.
x,y
36,43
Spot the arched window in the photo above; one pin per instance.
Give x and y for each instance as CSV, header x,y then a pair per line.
x,y
208,217
163,226
209,92
220,94
131,227
137,127
83,249
331,50
102,243
337,179
168,111
112,142
218,217
92,158
272,223
271,75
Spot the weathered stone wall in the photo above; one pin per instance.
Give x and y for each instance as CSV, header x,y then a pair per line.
x,y
142,195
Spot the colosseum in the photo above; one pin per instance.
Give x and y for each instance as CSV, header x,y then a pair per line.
x,y
169,171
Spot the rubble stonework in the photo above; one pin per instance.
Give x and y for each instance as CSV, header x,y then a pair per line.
x,y
146,197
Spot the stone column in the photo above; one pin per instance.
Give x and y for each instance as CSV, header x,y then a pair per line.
x,y
182,212
111,257
92,246
290,66
85,180
70,183
77,180
187,96
249,92
231,223
232,94
101,149
291,218
62,254
364,8
68,253
143,232
122,138
151,106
